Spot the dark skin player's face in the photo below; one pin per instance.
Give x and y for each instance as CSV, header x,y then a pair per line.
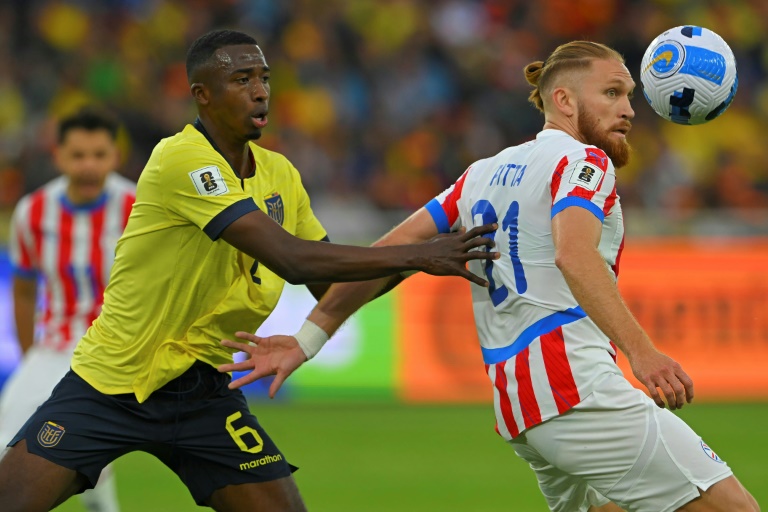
x,y
234,91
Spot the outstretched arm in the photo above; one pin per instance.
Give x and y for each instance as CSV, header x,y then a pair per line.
x,y
576,234
281,355
301,261
24,300
343,299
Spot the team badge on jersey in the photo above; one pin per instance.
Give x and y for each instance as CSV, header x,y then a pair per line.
x,y
208,181
586,175
50,434
710,453
275,207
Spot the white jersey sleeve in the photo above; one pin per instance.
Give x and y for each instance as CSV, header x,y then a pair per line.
x,y
588,182
444,208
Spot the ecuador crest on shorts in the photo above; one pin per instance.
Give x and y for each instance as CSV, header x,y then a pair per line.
x,y
50,434
275,207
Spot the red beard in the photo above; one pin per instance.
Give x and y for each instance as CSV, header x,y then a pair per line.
x,y
618,150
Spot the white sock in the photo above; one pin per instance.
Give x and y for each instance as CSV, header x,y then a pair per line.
x,y
103,497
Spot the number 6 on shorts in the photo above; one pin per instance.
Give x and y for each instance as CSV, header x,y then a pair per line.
x,y
240,433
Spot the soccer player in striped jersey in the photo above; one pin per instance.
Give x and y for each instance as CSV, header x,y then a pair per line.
x,y
62,246
218,226
552,317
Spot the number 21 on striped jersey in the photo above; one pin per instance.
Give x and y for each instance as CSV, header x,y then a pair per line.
x,y
509,224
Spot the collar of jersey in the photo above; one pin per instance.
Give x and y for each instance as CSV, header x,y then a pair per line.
x,y
199,127
85,207
549,132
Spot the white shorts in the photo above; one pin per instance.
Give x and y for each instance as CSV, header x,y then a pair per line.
x,y
28,387
618,445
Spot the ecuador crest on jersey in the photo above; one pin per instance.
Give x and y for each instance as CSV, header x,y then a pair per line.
x,y
275,207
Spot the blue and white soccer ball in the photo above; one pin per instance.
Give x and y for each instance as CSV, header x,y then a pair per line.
x,y
689,75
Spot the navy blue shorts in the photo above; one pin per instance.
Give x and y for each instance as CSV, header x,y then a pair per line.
x,y
194,424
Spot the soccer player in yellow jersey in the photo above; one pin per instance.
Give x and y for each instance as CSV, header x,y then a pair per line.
x,y
219,224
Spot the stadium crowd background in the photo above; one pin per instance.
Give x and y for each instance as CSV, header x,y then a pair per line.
x,y
381,104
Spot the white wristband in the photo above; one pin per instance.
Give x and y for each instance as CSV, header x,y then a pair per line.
x,y
311,338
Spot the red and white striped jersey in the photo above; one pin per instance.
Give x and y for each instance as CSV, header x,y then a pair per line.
x,y
541,351
71,250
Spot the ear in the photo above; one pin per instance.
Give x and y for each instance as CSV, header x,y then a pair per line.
x,y
564,101
56,156
116,156
200,92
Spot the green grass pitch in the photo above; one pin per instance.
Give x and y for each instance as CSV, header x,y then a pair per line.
x,y
378,457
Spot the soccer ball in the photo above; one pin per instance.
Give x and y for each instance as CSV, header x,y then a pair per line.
x,y
689,75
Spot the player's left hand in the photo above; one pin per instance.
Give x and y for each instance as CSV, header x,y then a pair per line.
x,y
657,370
276,355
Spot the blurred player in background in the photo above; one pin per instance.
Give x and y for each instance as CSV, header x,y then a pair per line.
x,y
218,226
547,319
63,237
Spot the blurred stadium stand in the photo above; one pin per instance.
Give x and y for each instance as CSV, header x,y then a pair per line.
x,y
381,104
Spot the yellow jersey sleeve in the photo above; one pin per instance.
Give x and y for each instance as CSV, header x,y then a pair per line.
x,y
198,186
308,227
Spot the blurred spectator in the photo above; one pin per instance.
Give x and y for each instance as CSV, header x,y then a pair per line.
x,y
387,99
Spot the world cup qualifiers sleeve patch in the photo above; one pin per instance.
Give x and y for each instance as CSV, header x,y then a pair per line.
x,y
208,181
585,175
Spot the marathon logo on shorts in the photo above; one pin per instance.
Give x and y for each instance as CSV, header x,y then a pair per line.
x,y
267,459
710,453
208,181
50,434
586,175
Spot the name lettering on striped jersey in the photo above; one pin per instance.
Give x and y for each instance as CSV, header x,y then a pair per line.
x,y
515,172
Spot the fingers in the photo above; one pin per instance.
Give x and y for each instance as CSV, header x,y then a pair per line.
x,y
248,337
480,241
241,366
236,367
677,385
655,396
481,255
279,379
687,383
242,347
480,230
677,388
466,274
669,394
247,379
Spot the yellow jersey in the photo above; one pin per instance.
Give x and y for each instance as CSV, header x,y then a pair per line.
x,y
176,289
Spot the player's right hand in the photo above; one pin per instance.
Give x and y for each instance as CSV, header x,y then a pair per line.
x,y
659,371
276,355
448,254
